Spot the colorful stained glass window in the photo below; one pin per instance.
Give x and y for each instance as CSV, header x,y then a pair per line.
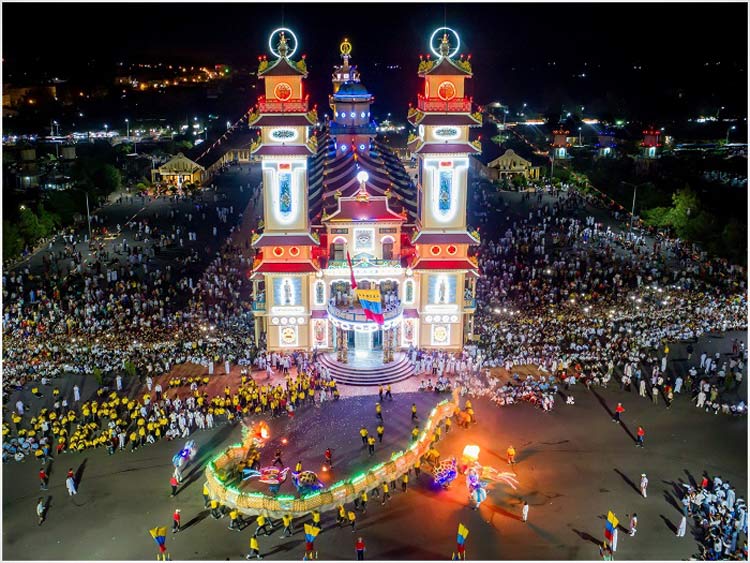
x,y
444,193
285,193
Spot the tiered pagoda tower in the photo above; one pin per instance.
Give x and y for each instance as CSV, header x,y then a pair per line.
x,y
447,275
284,262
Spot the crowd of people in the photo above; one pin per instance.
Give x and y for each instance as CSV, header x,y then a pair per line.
x,y
583,303
719,517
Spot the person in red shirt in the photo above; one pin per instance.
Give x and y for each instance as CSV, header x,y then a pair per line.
x,y
43,479
619,409
329,457
360,548
174,483
640,435
70,473
176,521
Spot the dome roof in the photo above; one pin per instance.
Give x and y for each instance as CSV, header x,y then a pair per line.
x,y
352,89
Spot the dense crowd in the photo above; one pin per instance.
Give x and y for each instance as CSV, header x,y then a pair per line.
x,y
115,421
719,517
582,302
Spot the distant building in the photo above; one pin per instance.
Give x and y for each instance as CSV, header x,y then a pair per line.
x,y
606,144
510,164
651,142
178,171
560,143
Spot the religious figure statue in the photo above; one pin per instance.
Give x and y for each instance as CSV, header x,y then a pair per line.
x,y
287,288
442,291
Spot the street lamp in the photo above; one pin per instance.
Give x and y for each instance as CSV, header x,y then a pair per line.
x,y
728,130
580,142
127,125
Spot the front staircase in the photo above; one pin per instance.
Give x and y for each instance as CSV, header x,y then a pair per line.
x,y
347,374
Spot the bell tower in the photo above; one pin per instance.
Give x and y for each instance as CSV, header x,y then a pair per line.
x,y
283,269
443,118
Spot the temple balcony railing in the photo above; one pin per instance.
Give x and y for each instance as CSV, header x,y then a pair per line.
x,y
454,106
259,306
374,263
351,315
287,106
470,303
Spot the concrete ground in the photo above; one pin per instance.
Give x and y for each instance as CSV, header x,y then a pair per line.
x,y
574,466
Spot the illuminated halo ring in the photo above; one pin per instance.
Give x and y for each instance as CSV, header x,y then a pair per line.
x,y
271,44
432,42
345,47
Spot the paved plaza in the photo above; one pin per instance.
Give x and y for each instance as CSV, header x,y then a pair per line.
x,y
574,465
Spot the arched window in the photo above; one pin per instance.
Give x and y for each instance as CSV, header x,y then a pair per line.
x,y
387,248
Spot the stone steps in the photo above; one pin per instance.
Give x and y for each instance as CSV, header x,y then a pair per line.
x,y
345,374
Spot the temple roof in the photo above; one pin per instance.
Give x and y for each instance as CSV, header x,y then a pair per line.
x,y
282,67
374,209
446,67
333,172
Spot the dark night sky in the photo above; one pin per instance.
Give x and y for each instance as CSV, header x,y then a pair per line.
x,y
511,45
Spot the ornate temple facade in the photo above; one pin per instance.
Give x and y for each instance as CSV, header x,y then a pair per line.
x,y
336,191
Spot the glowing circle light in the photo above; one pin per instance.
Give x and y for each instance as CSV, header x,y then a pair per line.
x,y
362,176
286,30
432,42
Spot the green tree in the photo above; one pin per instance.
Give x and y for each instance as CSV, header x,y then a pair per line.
x,y
49,222
519,181
109,179
12,240
657,216
685,208
29,227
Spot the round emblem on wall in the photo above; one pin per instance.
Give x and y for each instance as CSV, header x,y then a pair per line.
x,y
435,250
440,334
446,90
278,251
282,91
451,250
289,335
294,251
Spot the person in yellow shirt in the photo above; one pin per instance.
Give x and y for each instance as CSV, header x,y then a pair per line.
x,y
414,411
371,445
298,467
341,519
386,493
235,520
379,411
363,501
263,525
352,520
415,433
316,518
363,434
404,482
288,525
448,425
133,441
215,512
380,430
254,549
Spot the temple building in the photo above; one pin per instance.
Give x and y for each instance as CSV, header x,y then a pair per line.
x,y
510,164
336,193
177,171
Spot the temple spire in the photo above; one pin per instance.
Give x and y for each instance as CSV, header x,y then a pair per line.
x,y
445,46
283,47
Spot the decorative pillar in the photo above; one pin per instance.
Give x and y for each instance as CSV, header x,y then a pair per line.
x,y
345,346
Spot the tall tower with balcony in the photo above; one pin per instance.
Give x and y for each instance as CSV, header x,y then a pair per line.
x,y
560,143
651,143
443,118
284,265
